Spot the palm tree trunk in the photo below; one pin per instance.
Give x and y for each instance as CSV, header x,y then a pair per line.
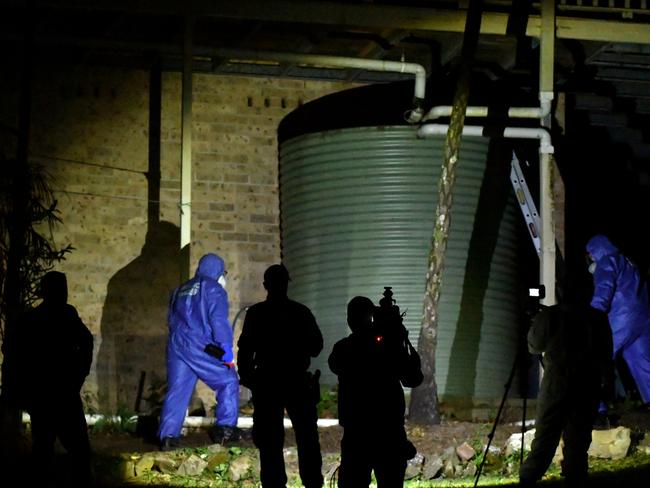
x,y
424,399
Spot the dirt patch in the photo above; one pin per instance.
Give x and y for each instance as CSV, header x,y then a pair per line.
x,y
427,439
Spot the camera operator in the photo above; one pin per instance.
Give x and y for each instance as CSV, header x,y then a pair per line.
x,y
372,365
576,345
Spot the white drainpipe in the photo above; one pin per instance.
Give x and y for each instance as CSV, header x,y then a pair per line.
x,y
545,146
545,100
318,60
189,421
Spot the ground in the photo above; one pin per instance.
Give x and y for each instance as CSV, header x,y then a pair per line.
x,y
427,439
111,442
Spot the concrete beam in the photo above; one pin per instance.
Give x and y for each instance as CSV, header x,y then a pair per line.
x,y
358,15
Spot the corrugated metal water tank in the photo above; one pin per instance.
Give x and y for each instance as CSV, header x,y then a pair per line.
x,y
357,211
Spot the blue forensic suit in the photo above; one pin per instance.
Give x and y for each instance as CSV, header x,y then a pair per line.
x,y
622,294
198,315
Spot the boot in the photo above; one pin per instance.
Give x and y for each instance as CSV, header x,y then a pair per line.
x,y
170,443
220,434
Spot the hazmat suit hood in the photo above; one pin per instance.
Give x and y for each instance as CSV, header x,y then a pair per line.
x,y
210,266
599,247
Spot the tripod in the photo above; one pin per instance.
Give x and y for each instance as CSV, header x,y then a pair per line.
x,y
521,359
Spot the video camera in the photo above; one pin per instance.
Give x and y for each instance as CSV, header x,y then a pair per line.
x,y
388,322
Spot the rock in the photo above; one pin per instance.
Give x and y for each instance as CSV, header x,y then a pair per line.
x,y
165,463
450,455
493,462
144,464
610,444
240,467
290,455
513,444
448,469
449,462
465,452
432,467
126,468
217,459
492,451
192,466
644,444
215,448
414,466
470,470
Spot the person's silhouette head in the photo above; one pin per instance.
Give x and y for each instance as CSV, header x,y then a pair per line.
x,y
360,313
276,280
54,288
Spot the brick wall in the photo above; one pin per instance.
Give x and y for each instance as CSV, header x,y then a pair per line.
x,y
90,130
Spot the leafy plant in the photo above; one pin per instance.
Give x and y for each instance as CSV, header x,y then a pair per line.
x,y
327,407
31,228
123,422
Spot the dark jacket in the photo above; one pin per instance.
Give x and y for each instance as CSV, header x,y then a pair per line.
x,y
371,374
279,337
577,348
54,352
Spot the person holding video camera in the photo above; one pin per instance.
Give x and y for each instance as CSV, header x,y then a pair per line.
x,y
278,340
373,364
200,347
575,341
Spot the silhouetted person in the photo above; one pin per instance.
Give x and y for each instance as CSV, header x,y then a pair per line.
x,y
576,345
372,365
200,346
55,351
278,340
621,292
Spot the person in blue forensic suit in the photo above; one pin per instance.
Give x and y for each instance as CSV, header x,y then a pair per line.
x,y
620,292
200,347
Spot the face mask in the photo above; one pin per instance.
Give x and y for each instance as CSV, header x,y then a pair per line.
x,y
592,267
222,281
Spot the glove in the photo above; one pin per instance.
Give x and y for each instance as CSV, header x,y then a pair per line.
x,y
215,351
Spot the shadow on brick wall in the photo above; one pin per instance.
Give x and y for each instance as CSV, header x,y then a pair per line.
x,y
134,324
